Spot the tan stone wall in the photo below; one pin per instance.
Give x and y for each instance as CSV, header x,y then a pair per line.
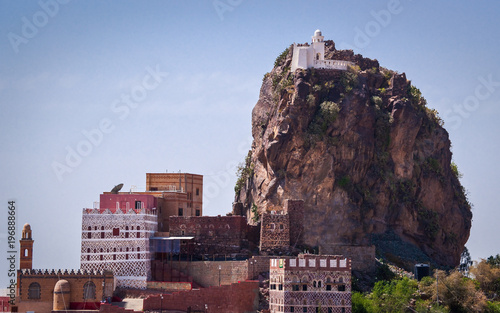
x,y
206,273
170,286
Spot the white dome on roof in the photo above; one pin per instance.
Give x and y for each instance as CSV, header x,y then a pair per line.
x,y
317,32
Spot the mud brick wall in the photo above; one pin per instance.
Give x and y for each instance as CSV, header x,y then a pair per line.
x,y
235,298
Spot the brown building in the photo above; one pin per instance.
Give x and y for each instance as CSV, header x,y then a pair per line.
x,y
46,291
212,234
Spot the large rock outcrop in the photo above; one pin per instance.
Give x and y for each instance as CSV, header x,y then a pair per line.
x,y
363,151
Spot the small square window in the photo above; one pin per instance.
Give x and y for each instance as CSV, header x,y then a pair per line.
x,y
198,212
116,232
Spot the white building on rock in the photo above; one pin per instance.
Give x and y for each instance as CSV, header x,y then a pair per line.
x,y
313,56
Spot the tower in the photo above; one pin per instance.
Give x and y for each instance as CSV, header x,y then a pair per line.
x,y
318,45
26,247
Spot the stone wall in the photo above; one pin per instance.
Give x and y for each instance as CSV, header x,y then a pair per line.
x,y
206,273
213,234
295,210
274,232
235,298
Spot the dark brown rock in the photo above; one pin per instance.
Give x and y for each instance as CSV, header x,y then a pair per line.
x,y
375,161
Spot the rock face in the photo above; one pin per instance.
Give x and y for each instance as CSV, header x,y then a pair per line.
x,y
363,151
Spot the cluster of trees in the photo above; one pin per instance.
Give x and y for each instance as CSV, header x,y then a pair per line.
x,y
473,288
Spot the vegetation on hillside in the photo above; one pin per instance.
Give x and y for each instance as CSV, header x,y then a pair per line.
x,y
454,292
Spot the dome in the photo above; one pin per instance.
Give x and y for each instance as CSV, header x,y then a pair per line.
x,y
317,32
62,286
26,227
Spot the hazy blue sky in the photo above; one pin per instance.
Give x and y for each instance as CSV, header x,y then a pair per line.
x,y
171,84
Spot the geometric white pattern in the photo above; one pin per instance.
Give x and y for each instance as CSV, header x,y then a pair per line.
x,y
119,241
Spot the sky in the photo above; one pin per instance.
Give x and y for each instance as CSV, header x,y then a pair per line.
x,y
97,93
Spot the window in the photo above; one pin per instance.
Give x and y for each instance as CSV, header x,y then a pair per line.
x,y
181,212
304,287
292,309
34,291
25,252
319,283
114,256
343,310
330,310
138,205
281,226
116,232
89,290
102,232
197,191
341,287
198,212
295,288
138,252
328,287
304,309
138,232
126,231
89,234
280,287
88,257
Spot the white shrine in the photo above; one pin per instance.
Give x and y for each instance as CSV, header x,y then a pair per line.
x,y
313,56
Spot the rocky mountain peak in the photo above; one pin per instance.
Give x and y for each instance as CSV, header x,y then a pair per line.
x,y
364,151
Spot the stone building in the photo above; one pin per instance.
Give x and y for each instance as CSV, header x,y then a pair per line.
x,y
212,234
310,283
47,291
282,229
117,239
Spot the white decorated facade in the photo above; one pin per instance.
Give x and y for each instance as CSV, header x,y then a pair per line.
x,y
118,240
313,56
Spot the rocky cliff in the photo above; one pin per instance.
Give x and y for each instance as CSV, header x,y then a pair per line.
x,y
364,152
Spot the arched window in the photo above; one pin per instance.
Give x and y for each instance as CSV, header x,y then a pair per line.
x,y
25,252
89,290
34,291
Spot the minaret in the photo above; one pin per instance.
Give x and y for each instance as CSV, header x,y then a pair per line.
x,y
26,247
318,45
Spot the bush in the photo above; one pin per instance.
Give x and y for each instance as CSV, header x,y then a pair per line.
x,y
279,60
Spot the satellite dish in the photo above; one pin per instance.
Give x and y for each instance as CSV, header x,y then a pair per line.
x,y
117,188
